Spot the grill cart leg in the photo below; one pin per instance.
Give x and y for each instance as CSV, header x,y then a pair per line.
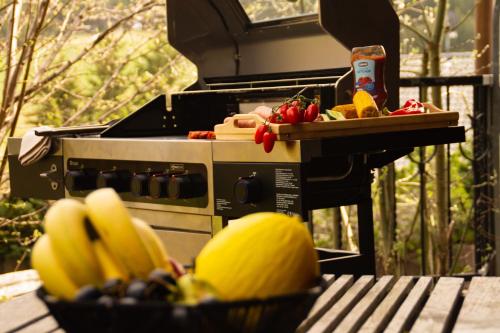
x,y
366,235
362,263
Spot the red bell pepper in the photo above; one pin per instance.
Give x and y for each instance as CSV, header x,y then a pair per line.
x,y
413,103
411,106
405,111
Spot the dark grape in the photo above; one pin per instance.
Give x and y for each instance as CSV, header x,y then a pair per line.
x,y
113,287
105,300
128,301
156,291
160,275
137,290
161,285
88,293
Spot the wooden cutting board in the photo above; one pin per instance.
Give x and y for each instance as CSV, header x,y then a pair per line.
x,y
337,128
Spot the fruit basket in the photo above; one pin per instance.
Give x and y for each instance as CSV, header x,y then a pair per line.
x,y
275,314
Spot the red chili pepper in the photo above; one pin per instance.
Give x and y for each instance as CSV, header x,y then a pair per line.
x,y
268,140
259,133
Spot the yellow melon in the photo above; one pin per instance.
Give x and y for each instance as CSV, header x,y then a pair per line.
x,y
259,256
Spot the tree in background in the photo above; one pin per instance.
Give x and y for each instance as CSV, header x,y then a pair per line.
x,y
427,23
265,10
72,62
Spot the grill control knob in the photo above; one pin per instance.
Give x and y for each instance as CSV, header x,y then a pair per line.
x,y
186,186
158,186
139,185
118,180
247,190
80,180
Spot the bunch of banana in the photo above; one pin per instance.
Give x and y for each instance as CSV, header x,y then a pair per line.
x,y
88,244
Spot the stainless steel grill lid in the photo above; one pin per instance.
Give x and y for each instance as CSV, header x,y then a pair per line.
x,y
219,38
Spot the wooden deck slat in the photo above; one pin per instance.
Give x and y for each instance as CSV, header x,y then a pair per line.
x,y
346,307
438,310
366,305
329,279
481,308
326,300
44,325
21,314
18,283
18,289
13,278
335,314
410,307
379,319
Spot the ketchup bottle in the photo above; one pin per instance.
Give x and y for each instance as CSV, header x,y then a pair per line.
x,y
368,63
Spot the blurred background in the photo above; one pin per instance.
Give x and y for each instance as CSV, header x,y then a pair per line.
x,y
85,62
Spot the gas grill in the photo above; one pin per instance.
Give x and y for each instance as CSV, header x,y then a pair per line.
x,y
190,189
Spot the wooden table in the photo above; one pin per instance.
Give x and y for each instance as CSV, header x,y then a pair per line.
x,y
386,304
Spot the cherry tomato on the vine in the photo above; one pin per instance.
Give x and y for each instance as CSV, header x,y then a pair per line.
x,y
311,113
269,139
293,115
301,115
282,112
298,104
274,119
259,133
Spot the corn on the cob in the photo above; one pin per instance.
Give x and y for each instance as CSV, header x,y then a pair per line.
x,y
365,105
348,110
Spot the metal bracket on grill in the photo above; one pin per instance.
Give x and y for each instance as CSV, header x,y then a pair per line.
x,y
52,176
378,160
151,119
341,176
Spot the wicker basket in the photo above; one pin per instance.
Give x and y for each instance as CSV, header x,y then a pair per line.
x,y
277,314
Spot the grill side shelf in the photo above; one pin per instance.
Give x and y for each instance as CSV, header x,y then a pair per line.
x,y
338,128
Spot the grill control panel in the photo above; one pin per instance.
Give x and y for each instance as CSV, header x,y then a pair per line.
x,y
244,188
168,183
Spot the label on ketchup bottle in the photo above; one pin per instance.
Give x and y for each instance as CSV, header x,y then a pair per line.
x,y
364,71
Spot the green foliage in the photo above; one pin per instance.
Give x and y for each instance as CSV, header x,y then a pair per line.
x,y
129,71
461,204
459,23
463,38
19,226
13,207
407,246
276,9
